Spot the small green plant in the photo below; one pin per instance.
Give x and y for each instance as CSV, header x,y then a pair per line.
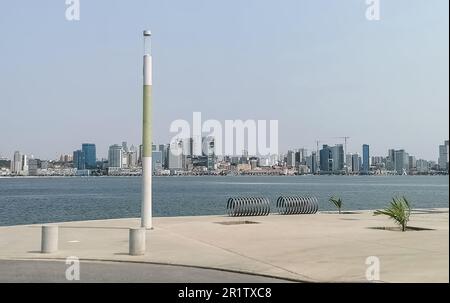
x,y
399,210
337,202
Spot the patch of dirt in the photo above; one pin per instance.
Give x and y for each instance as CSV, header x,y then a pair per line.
x,y
237,222
342,212
409,228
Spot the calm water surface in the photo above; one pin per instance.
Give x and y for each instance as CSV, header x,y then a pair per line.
x,y
40,200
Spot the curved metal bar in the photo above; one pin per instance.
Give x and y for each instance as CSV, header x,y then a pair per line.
x,y
301,206
280,205
243,210
248,206
307,205
316,201
289,205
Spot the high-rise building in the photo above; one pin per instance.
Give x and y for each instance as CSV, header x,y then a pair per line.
x,y
290,159
163,149
332,159
338,158
300,156
390,160
33,166
313,166
19,164
68,158
140,154
412,163
188,147
348,162
326,159
448,151
79,160
401,162
132,157
125,159
115,156
16,163
377,160
124,146
422,166
365,159
355,163
156,160
244,157
443,156
210,152
175,155
24,167
90,155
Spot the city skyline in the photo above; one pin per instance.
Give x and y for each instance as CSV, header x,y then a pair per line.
x,y
356,148
124,161
330,72
363,152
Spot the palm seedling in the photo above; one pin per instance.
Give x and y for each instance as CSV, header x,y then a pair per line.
x,y
399,210
337,202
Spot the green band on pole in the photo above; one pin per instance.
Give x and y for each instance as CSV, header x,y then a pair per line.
x,y
147,122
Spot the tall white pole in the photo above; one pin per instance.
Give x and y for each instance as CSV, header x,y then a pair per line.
x,y
146,207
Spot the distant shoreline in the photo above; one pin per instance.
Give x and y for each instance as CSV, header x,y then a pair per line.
x,y
205,175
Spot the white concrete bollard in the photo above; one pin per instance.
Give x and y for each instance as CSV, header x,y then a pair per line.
x,y
137,241
49,239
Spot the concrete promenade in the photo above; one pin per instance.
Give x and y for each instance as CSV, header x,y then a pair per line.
x,y
323,247
33,271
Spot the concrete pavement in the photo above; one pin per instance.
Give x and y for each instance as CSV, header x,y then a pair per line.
x,y
322,247
119,272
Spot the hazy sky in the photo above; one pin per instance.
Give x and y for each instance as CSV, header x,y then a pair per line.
x,y
317,66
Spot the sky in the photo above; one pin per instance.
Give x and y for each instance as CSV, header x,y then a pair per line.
x,y
319,67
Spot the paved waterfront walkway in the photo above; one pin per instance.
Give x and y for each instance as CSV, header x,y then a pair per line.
x,y
321,247
119,272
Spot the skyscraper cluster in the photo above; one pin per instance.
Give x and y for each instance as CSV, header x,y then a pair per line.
x,y
179,157
85,159
332,159
122,157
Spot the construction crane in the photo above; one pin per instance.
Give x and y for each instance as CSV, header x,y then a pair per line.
x,y
345,142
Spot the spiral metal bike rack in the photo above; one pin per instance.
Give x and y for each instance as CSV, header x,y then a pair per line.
x,y
292,205
248,206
